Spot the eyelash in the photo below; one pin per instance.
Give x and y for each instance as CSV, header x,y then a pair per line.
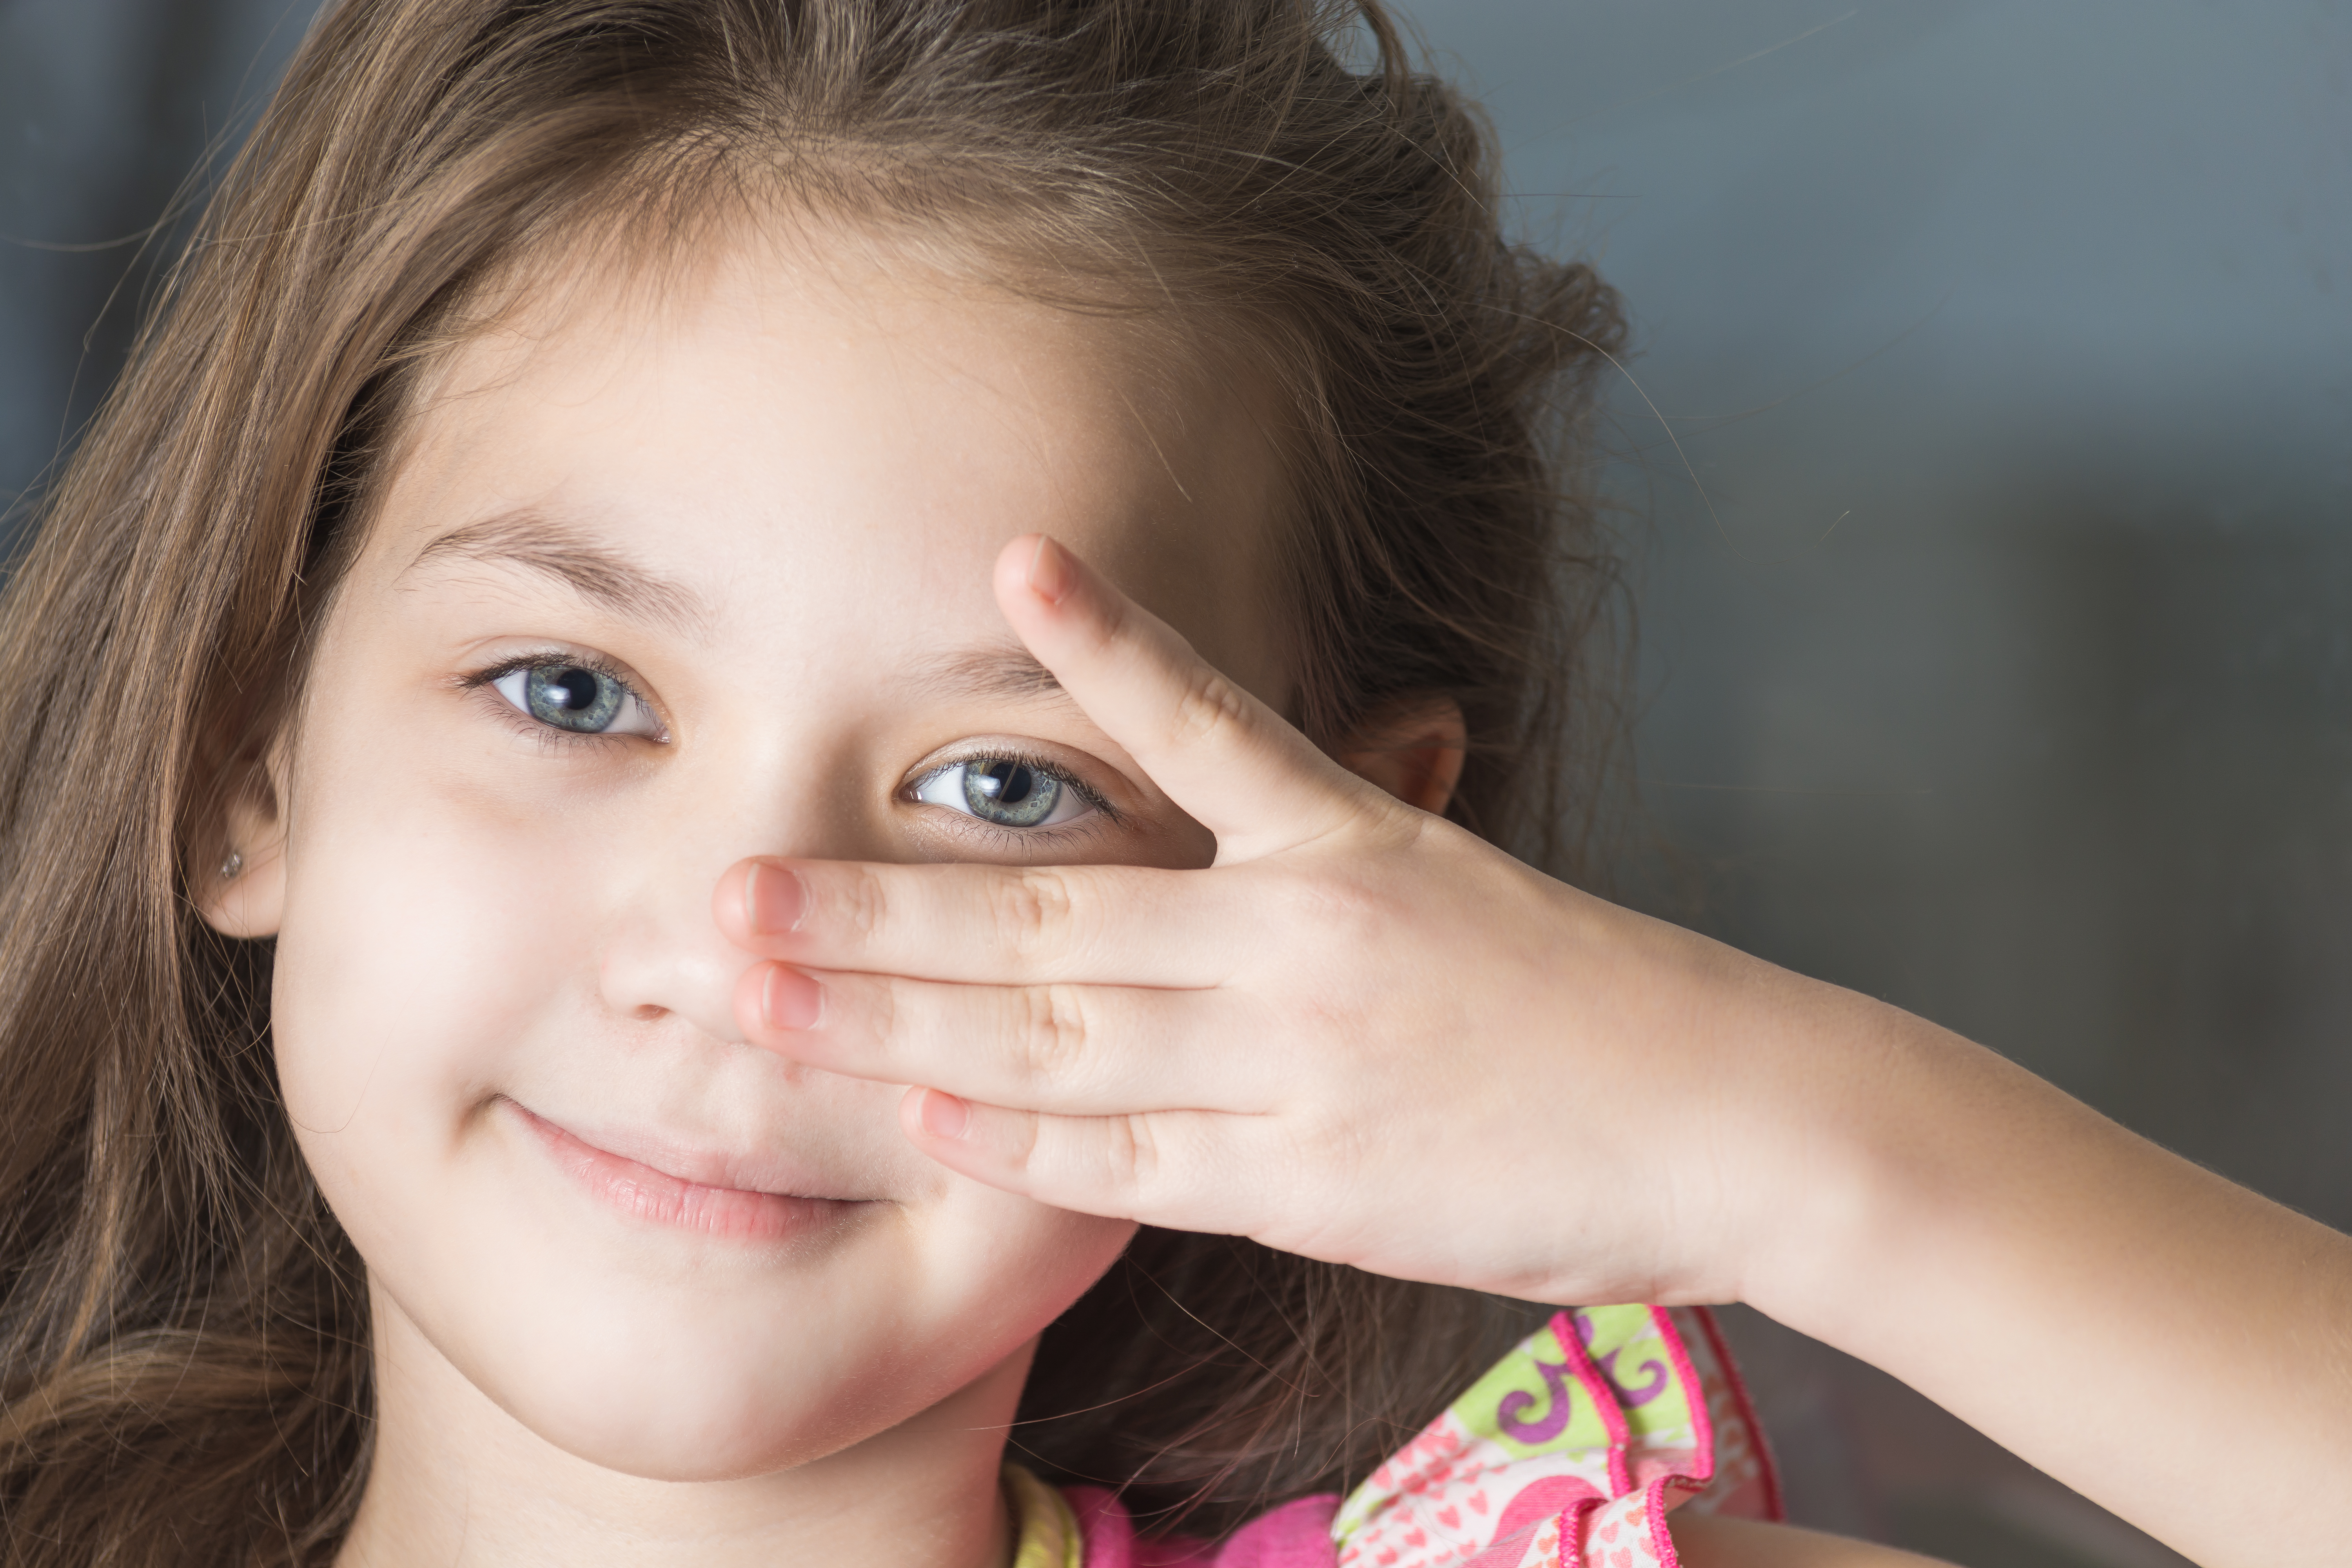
x,y
996,832
548,734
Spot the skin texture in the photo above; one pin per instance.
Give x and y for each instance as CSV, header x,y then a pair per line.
x,y
769,504
543,1083
1358,1004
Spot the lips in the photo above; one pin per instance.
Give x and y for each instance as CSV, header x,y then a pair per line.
x,y
658,1197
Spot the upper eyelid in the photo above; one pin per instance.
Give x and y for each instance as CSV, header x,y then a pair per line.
x,y
584,658
984,752
581,658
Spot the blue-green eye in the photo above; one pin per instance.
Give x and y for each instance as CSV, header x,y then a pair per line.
x,y
578,699
1005,791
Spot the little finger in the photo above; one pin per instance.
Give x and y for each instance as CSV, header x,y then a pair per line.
x,y
1188,1170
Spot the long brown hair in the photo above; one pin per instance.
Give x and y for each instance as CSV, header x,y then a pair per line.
x,y
184,1371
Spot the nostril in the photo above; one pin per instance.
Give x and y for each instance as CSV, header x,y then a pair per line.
x,y
658,974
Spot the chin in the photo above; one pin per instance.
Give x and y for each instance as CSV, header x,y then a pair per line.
x,y
651,1385
674,1356
673,1434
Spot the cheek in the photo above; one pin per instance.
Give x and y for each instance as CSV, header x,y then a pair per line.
x,y
416,948
428,946
1008,1265
438,951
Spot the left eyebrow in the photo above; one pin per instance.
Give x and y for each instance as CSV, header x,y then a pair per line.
x,y
999,670
599,573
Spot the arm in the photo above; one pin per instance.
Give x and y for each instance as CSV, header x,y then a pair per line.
x,y
1359,1005
2168,1344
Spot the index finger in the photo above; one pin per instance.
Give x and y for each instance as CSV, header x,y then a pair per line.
x,y
1238,766
1129,925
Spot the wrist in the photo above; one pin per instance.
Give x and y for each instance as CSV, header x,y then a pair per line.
x,y
1920,1171
1789,1148
1870,1163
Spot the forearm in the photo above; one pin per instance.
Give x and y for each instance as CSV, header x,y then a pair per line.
x,y
2168,1344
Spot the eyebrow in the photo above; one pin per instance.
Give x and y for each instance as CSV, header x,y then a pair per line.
x,y
1000,671
530,539
599,573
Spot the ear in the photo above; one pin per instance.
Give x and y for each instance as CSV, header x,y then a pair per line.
x,y
238,877
1411,748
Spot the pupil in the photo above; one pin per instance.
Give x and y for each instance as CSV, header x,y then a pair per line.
x,y
1007,784
573,688
1013,794
572,698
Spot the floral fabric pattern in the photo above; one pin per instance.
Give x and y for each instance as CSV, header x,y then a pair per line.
x,y
1569,1453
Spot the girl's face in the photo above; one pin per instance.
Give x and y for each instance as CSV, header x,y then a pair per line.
x,y
661,582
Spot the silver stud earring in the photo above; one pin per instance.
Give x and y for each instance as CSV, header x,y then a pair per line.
x,y
232,866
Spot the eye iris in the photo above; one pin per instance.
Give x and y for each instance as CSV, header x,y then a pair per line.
x,y
571,698
1011,793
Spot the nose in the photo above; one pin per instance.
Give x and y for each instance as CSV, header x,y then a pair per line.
x,y
663,954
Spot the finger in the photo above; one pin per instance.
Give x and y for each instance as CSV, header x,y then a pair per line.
x,y
1083,1050
1218,752
1129,925
1174,1168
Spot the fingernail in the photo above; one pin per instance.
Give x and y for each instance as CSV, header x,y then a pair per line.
x,y
944,1116
773,899
789,999
1052,573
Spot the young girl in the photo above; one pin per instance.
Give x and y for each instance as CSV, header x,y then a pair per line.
x,y
670,568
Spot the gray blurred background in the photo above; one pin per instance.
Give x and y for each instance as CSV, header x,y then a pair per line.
x,y
1987,464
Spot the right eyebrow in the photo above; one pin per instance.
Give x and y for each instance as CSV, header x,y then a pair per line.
x,y
529,538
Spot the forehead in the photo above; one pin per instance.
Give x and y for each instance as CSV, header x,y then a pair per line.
x,y
812,427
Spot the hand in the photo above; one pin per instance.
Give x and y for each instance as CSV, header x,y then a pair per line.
x,y
1363,1034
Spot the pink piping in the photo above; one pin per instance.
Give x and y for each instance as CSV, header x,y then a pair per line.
x,y
1774,1508
1693,1392
1662,1540
1572,1526
1604,1399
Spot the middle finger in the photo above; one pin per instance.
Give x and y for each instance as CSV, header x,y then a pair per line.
x,y
1066,1048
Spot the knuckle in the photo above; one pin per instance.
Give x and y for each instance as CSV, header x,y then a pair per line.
x,y
860,902
1053,1031
1207,705
1348,909
1033,910
1131,1152
880,1006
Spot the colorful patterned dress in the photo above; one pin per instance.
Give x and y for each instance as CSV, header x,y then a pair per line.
x,y
1570,1454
